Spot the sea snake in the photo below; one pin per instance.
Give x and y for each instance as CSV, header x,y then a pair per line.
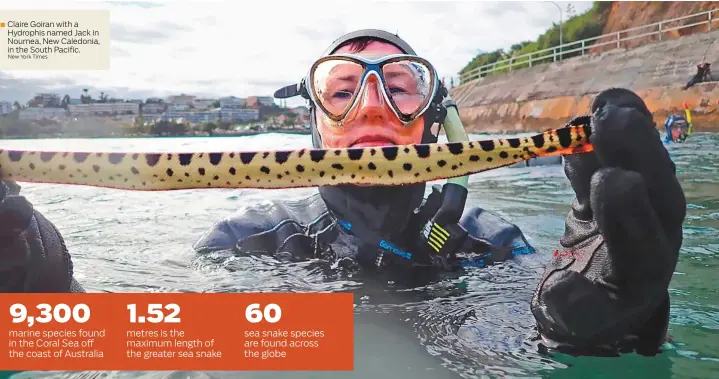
x,y
386,165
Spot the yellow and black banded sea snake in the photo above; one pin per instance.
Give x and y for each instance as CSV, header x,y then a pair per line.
x,y
387,165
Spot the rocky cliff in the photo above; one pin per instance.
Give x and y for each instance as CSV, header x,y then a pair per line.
x,y
545,96
625,15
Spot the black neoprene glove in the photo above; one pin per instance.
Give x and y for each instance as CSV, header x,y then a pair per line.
x,y
33,255
606,288
15,211
15,217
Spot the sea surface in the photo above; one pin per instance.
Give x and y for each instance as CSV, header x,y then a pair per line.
x,y
124,241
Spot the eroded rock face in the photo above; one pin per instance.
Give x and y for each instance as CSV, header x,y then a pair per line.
x,y
628,14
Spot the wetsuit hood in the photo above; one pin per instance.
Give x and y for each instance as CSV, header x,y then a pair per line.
x,y
380,210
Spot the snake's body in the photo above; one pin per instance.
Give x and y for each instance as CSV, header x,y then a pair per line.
x,y
391,165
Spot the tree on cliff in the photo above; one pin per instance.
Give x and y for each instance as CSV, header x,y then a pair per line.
x,y
578,27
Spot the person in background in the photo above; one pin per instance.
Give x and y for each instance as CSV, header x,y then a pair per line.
x,y
678,127
704,74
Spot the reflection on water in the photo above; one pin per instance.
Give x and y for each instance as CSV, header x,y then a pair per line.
x,y
474,326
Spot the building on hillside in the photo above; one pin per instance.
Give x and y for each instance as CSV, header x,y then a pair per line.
x,y
191,117
46,100
266,100
235,115
34,113
231,102
181,99
256,101
152,108
5,107
178,107
202,104
104,109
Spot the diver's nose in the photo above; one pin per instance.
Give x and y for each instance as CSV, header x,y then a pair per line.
x,y
372,104
372,96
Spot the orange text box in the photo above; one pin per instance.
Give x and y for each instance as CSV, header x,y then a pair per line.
x,y
177,331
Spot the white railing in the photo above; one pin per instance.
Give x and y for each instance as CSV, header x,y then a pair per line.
x,y
615,40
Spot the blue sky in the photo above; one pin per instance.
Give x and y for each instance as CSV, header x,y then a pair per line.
x,y
244,48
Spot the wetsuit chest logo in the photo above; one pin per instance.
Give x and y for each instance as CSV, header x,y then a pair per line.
x,y
394,250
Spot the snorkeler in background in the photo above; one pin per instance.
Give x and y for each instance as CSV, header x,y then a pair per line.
x,y
678,127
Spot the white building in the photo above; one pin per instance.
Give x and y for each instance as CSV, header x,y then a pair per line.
x,y
231,102
104,109
246,114
181,99
178,107
35,113
266,100
153,108
5,107
191,117
202,104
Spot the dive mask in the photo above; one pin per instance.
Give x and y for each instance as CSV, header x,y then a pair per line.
x,y
336,83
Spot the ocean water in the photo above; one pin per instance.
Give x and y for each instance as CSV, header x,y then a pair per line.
x,y
124,241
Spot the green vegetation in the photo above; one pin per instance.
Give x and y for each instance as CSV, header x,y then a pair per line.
x,y
587,25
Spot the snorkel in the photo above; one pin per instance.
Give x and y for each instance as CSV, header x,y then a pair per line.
x,y
442,233
688,113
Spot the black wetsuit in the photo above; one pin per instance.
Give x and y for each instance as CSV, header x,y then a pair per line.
x,y
306,228
606,287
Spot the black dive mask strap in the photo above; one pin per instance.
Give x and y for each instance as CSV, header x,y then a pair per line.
x,y
435,114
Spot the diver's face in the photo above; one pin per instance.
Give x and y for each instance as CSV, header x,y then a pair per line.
x,y
372,122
